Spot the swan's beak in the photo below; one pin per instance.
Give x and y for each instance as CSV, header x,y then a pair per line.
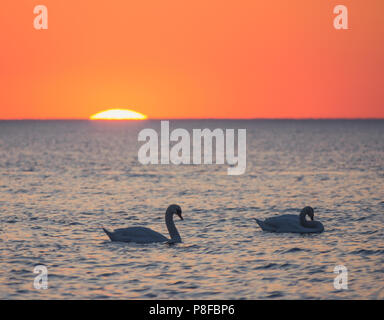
x,y
180,216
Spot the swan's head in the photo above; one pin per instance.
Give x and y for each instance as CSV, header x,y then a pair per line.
x,y
175,209
308,211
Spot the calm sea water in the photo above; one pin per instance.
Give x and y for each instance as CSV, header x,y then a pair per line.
x,y
61,180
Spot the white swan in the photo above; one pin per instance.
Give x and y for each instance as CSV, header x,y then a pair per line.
x,y
292,223
145,235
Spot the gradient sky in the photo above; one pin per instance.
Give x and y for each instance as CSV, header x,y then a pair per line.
x,y
192,59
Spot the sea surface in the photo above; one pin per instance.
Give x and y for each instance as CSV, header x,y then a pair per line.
x,y
60,181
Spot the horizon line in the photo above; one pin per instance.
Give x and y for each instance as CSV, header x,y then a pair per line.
x,y
119,120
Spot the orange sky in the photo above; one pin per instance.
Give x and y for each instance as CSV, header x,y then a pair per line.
x,y
192,59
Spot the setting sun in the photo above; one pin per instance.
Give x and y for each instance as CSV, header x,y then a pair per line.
x,y
118,114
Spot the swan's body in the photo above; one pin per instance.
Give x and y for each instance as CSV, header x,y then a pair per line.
x,y
146,235
292,223
136,234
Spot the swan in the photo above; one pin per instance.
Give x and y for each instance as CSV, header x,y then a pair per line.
x,y
146,235
292,223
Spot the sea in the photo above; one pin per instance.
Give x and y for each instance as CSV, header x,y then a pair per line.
x,y
62,181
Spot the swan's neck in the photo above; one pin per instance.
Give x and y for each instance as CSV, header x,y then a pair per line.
x,y
175,236
304,221
307,224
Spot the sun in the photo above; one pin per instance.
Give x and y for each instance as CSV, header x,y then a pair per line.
x,y
118,114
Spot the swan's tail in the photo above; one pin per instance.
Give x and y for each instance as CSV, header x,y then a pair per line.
x,y
266,226
109,234
260,223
